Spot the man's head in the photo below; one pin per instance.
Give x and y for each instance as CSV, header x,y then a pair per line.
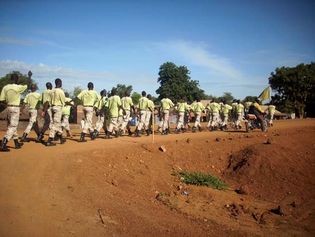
x,y
90,86
223,101
58,83
67,94
198,99
127,93
33,87
257,100
143,93
48,86
15,78
103,93
149,96
114,91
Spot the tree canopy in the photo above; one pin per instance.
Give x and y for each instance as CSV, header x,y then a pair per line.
x,y
294,87
122,89
175,84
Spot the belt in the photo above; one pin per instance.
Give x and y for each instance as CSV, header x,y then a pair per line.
x,y
88,106
56,105
13,105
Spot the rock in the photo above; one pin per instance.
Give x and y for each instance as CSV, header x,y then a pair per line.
x,y
162,148
188,140
268,141
114,182
218,139
243,190
230,138
277,211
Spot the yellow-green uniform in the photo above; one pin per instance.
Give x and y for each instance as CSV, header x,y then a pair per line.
x,y
225,111
166,104
181,107
127,104
247,105
114,103
240,113
57,102
48,116
148,114
11,94
31,100
100,122
143,107
89,99
197,108
214,122
66,114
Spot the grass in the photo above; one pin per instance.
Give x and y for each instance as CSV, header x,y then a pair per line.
x,y
202,179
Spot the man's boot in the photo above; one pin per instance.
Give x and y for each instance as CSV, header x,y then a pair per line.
x,y
194,129
4,147
92,135
82,137
137,133
107,135
148,132
96,133
129,132
40,137
200,129
50,142
24,138
17,144
61,138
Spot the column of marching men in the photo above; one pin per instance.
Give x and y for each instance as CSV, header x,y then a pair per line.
x,y
113,113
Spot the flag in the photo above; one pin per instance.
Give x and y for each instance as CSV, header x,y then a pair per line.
x,y
265,94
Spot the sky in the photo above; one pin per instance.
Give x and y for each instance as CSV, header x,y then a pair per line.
x,y
228,46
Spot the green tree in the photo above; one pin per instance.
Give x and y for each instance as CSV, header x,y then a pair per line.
x,y
175,83
227,96
294,87
135,98
73,95
122,89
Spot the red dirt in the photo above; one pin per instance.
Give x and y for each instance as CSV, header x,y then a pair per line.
x,y
127,186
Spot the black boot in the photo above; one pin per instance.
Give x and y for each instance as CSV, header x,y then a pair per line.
x,y
92,135
17,144
82,137
96,133
50,142
137,133
61,138
24,138
194,129
148,132
129,132
4,147
107,135
40,137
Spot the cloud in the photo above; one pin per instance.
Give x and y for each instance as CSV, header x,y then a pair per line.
x,y
29,42
198,55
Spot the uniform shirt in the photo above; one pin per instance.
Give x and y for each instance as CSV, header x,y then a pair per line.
x,y
11,94
32,99
101,103
46,97
234,106
143,103
150,105
226,108
215,107
113,105
240,108
271,109
66,109
89,97
126,102
166,104
182,107
198,107
57,97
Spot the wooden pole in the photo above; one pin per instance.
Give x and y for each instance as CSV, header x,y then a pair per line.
x,y
153,117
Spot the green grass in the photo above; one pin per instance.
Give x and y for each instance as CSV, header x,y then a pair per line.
x,y
202,179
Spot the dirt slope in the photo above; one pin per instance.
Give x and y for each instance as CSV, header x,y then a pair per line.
x,y
127,187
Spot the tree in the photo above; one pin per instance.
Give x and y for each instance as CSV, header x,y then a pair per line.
x,y
73,95
122,89
23,80
227,96
294,87
135,98
175,83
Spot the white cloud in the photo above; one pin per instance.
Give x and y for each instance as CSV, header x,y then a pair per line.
x,y
198,55
10,40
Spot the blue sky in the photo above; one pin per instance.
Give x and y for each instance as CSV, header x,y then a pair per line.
x,y
228,46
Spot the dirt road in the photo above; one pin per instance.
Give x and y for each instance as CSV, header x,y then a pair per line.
x,y
128,187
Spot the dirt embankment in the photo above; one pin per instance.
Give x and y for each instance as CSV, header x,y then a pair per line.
x,y
128,187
